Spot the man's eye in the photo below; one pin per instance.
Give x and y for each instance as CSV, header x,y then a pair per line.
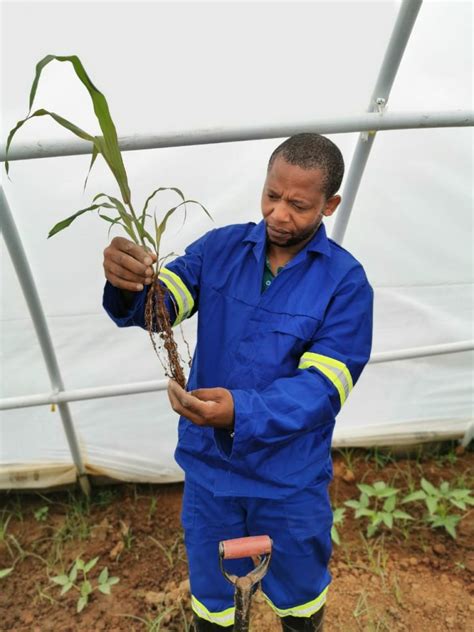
x,y
272,196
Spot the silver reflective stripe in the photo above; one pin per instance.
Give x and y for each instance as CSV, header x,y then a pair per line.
x,y
339,374
184,308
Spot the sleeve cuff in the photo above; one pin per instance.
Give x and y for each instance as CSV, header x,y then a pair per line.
x,y
115,306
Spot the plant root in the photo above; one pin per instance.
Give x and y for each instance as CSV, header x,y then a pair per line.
x,y
157,321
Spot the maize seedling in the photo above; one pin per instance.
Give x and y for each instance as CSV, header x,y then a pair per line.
x,y
156,315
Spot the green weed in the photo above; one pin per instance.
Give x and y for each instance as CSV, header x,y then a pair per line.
x,y
83,585
337,519
439,501
378,503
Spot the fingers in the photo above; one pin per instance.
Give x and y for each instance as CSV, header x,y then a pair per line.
x,y
190,407
127,265
207,394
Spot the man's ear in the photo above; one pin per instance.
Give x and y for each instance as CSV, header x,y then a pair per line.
x,y
331,205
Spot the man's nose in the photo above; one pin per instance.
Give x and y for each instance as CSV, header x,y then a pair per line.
x,y
280,212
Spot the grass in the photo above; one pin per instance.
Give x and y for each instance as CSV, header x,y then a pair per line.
x,y
350,456
367,618
172,552
154,623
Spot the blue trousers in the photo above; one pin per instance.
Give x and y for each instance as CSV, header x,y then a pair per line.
x,y
300,527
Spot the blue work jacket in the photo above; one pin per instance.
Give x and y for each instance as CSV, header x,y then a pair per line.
x,y
290,355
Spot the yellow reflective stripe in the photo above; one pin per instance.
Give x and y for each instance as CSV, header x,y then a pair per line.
x,y
181,294
305,610
334,370
224,618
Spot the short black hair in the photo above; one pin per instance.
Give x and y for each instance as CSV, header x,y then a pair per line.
x,y
313,151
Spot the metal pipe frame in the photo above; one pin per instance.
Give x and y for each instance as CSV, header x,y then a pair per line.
x,y
368,123
135,388
28,285
365,122
393,55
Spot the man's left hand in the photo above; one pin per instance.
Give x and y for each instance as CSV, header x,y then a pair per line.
x,y
204,406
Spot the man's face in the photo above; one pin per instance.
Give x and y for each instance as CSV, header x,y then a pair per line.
x,y
293,203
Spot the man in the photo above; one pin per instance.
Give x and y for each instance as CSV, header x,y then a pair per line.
x,y
284,331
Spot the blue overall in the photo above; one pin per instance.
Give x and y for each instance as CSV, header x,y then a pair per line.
x,y
290,357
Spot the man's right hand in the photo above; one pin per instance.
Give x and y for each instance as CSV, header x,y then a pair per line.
x,y
128,266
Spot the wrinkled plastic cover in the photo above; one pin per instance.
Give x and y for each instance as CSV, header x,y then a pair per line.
x,y
230,64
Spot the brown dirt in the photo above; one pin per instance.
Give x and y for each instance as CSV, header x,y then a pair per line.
x,y
157,319
397,581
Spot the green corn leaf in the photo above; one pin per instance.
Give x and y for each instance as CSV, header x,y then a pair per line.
x,y
113,222
150,197
61,580
95,153
110,147
162,227
68,221
126,218
102,146
4,572
335,536
104,575
59,119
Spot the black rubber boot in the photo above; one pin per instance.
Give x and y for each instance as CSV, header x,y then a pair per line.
x,y
202,625
314,623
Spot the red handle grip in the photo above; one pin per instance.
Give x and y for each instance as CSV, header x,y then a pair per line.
x,y
245,547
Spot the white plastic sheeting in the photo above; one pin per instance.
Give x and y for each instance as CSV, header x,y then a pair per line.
x,y
206,64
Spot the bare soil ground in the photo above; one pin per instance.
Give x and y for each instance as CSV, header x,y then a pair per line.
x,y
409,579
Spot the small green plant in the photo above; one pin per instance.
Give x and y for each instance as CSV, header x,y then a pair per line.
x,y
439,501
41,514
152,624
4,572
349,456
104,497
5,518
378,503
127,536
152,508
114,211
337,519
380,457
172,552
84,586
